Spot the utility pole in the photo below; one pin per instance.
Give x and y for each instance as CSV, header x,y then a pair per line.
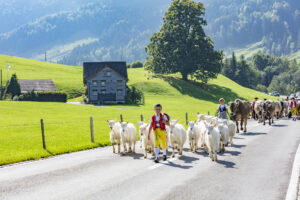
x,y
1,79
8,67
46,56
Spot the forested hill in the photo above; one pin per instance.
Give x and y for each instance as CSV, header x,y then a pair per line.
x,y
75,31
274,25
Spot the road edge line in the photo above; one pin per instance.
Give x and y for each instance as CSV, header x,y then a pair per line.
x,y
292,192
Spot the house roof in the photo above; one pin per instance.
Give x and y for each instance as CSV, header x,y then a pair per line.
x,y
92,68
37,85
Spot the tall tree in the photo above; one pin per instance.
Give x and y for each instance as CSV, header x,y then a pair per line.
x,y
233,66
243,72
182,45
13,86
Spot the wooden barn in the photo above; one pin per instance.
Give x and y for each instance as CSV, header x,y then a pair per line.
x,y
37,85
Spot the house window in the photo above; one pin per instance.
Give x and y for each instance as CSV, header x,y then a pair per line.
x,y
95,92
119,82
103,91
108,73
119,91
103,82
94,82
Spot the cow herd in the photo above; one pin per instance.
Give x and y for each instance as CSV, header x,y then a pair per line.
x,y
207,132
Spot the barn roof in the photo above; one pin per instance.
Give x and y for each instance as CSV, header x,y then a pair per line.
x,y
92,68
37,85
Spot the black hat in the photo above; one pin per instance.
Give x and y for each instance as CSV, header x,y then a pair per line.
x,y
158,105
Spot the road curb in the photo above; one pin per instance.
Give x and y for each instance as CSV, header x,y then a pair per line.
x,y
292,192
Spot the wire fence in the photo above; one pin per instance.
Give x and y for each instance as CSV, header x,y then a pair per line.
x,y
49,132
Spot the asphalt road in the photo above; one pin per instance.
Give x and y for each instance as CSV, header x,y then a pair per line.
x,y
257,166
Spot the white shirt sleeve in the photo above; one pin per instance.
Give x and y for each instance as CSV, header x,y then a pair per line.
x,y
165,118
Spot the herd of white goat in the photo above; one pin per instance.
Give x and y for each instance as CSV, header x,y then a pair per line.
x,y
210,133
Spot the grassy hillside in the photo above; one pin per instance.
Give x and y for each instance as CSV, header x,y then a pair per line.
x,y
66,78
67,126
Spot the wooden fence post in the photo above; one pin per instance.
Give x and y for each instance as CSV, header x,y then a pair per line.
x,y
43,133
186,118
121,117
92,129
142,118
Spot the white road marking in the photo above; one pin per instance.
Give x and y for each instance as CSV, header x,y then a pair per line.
x,y
292,191
161,164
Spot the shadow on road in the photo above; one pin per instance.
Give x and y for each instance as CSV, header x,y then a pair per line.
x,y
171,164
135,156
202,153
227,164
279,125
239,146
253,134
239,138
233,153
187,159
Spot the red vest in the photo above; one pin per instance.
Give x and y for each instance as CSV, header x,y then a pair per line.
x,y
253,104
292,104
162,125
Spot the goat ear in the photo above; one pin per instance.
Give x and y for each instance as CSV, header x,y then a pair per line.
x,y
126,122
107,120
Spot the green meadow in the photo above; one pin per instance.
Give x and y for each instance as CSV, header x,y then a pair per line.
x,y
67,126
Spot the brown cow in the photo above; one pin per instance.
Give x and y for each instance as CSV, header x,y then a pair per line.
x,y
240,110
268,111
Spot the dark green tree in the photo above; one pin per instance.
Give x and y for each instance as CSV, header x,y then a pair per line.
x,y
233,67
13,86
182,45
243,72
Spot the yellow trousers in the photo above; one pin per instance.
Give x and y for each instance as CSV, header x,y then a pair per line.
x,y
294,111
159,138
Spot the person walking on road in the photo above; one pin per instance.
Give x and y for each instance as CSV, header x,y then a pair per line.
x,y
222,109
158,124
254,115
293,106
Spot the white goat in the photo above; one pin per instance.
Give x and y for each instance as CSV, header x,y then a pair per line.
x,y
128,136
140,123
224,133
177,136
202,127
231,129
212,140
148,144
193,133
114,135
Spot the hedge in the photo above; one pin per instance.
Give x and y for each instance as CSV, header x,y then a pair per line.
x,y
47,96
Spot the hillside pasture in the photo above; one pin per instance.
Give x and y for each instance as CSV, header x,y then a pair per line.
x,y
67,127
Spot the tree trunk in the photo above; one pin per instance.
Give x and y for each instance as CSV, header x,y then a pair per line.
x,y
184,76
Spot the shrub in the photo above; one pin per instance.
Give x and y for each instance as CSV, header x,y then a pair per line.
x,y
16,98
13,87
52,96
29,96
136,64
134,96
85,99
47,96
